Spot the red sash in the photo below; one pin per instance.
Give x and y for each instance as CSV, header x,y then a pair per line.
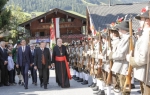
x,y
63,58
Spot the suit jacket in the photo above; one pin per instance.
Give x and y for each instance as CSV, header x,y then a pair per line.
x,y
3,56
27,53
38,57
140,60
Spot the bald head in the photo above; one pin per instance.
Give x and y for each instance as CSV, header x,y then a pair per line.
x,y
59,42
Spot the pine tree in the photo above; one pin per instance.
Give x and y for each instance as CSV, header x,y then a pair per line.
x,y
4,15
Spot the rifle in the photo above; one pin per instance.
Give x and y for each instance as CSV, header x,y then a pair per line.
x,y
92,59
109,76
100,51
127,85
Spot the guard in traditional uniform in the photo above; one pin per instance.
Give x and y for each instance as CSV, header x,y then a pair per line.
x,y
80,63
85,63
101,81
140,62
119,56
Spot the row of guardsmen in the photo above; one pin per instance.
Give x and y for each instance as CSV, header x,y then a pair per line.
x,y
109,58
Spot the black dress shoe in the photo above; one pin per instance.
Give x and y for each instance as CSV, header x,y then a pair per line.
x,y
102,92
41,84
139,91
77,78
85,82
26,87
19,82
97,92
6,84
132,86
92,86
22,83
80,80
96,88
1,85
45,86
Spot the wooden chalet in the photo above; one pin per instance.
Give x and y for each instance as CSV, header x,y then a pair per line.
x,y
72,26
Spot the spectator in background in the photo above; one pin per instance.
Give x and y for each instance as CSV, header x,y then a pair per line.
x,y
10,68
33,71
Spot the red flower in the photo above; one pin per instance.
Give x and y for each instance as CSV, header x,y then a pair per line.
x,y
143,10
89,38
139,29
120,19
112,24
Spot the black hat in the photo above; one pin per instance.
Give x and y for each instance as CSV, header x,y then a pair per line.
x,y
144,15
124,25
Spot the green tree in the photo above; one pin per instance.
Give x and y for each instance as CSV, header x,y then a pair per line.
x,y
17,17
4,15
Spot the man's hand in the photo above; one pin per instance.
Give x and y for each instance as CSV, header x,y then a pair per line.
x,y
31,64
49,67
53,65
5,62
35,67
17,66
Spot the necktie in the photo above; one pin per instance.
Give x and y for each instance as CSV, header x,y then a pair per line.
x,y
43,57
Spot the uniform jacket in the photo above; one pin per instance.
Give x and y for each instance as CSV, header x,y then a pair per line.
x,y
119,56
140,59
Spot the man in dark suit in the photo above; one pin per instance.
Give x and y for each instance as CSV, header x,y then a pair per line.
x,y
24,61
42,62
3,64
33,71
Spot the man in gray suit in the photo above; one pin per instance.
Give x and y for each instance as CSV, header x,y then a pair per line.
x,y
140,62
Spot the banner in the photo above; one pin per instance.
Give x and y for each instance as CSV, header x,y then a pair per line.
x,y
92,27
57,27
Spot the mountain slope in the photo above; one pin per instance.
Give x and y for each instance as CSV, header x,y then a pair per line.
x,y
73,5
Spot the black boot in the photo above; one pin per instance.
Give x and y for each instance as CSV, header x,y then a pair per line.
x,y
102,92
77,78
132,86
19,82
80,80
96,88
92,86
45,86
74,76
97,92
85,82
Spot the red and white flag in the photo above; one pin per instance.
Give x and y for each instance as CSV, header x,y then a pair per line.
x,y
92,27
56,25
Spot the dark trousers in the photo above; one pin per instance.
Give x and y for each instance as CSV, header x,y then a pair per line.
x,y
11,75
24,71
48,75
43,75
4,74
33,74
14,73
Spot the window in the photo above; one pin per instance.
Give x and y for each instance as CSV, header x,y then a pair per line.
x,y
42,34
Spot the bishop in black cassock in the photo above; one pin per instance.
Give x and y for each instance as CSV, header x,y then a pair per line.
x,y
60,59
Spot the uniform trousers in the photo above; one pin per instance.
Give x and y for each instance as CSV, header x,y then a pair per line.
x,y
145,89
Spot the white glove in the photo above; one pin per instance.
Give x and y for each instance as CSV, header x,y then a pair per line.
x,y
108,52
100,56
128,56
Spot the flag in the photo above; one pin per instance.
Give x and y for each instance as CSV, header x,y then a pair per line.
x,y
92,28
